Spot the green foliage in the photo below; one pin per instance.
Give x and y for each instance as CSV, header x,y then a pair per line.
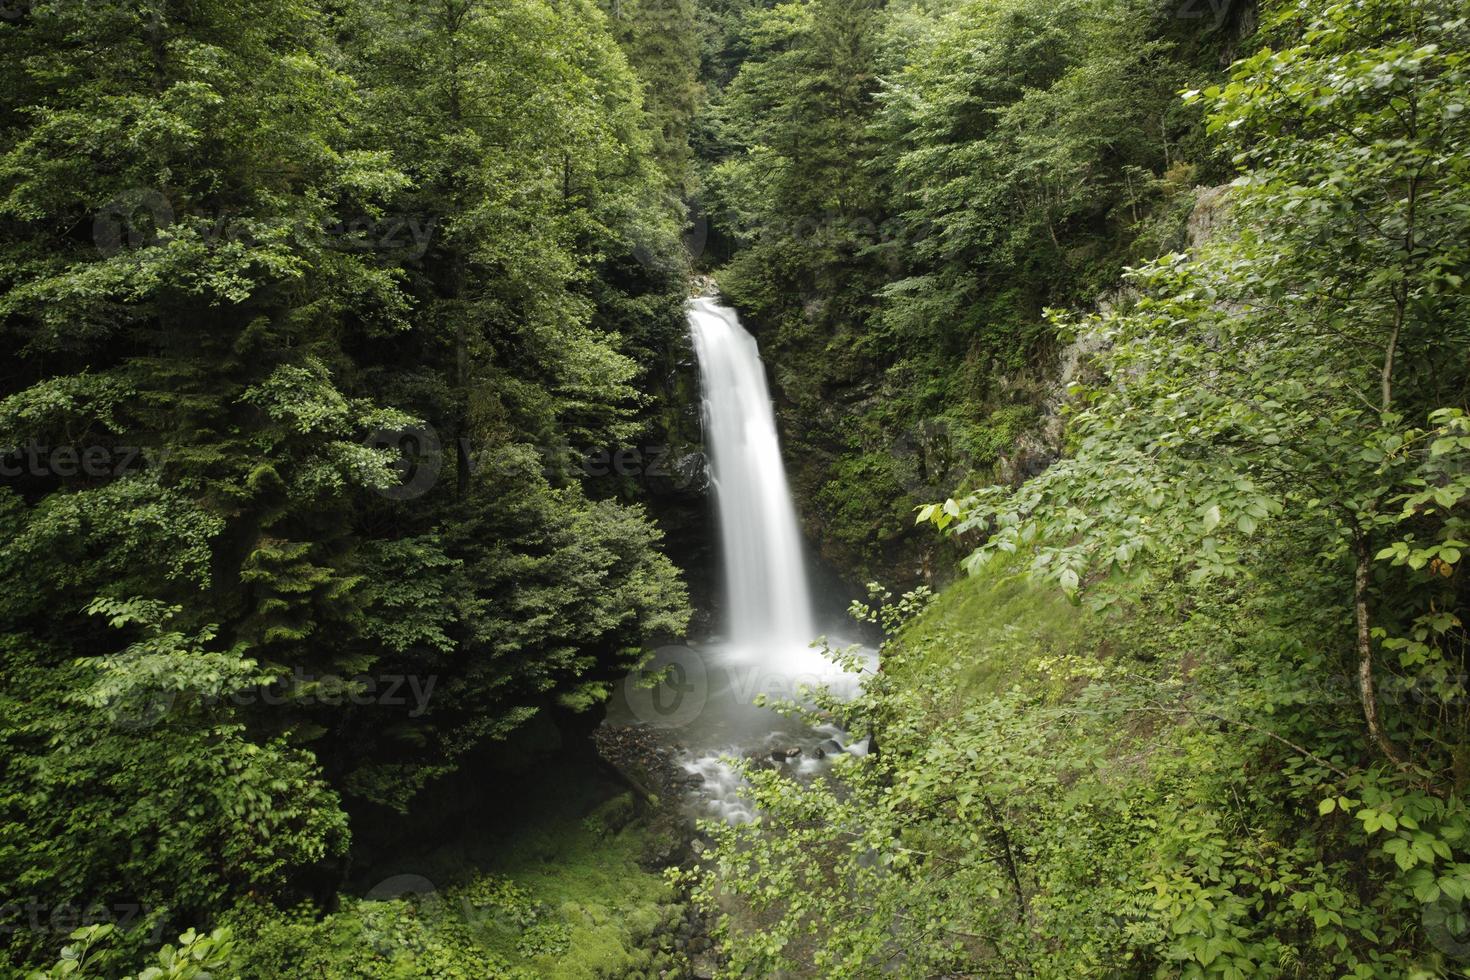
x,y
662,45
1016,130
559,899
1200,710
1298,369
906,187
1063,791
240,243
1232,741
196,957
129,784
418,935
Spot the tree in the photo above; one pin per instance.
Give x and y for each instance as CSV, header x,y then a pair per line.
x,y
329,288
1301,365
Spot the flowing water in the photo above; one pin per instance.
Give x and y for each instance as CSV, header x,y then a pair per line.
x,y
705,703
768,600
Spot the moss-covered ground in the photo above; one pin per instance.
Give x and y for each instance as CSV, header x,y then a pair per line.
x,y
554,891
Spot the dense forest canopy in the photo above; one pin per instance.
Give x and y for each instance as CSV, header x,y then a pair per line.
x,y
253,254
1152,312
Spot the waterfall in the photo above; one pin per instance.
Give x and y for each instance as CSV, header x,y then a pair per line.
x,y
707,705
769,606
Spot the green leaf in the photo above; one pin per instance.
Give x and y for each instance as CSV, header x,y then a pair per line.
x,y
1211,518
1069,581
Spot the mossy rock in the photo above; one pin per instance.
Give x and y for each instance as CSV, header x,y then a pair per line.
x,y
611,816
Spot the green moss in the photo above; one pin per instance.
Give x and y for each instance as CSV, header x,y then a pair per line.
x,y
865,503
592,879
560,895
982,443
1003,630
612,816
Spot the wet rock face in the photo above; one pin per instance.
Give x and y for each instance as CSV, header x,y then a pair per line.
x,y
642,759
1210,206
645,762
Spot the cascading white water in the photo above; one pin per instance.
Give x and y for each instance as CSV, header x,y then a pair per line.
x,y
769,603
708,697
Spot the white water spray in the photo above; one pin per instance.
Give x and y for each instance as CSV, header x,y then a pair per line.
x,y
769,602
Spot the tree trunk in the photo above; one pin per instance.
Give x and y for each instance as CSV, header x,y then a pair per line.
x,y
1008,860
1367,692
